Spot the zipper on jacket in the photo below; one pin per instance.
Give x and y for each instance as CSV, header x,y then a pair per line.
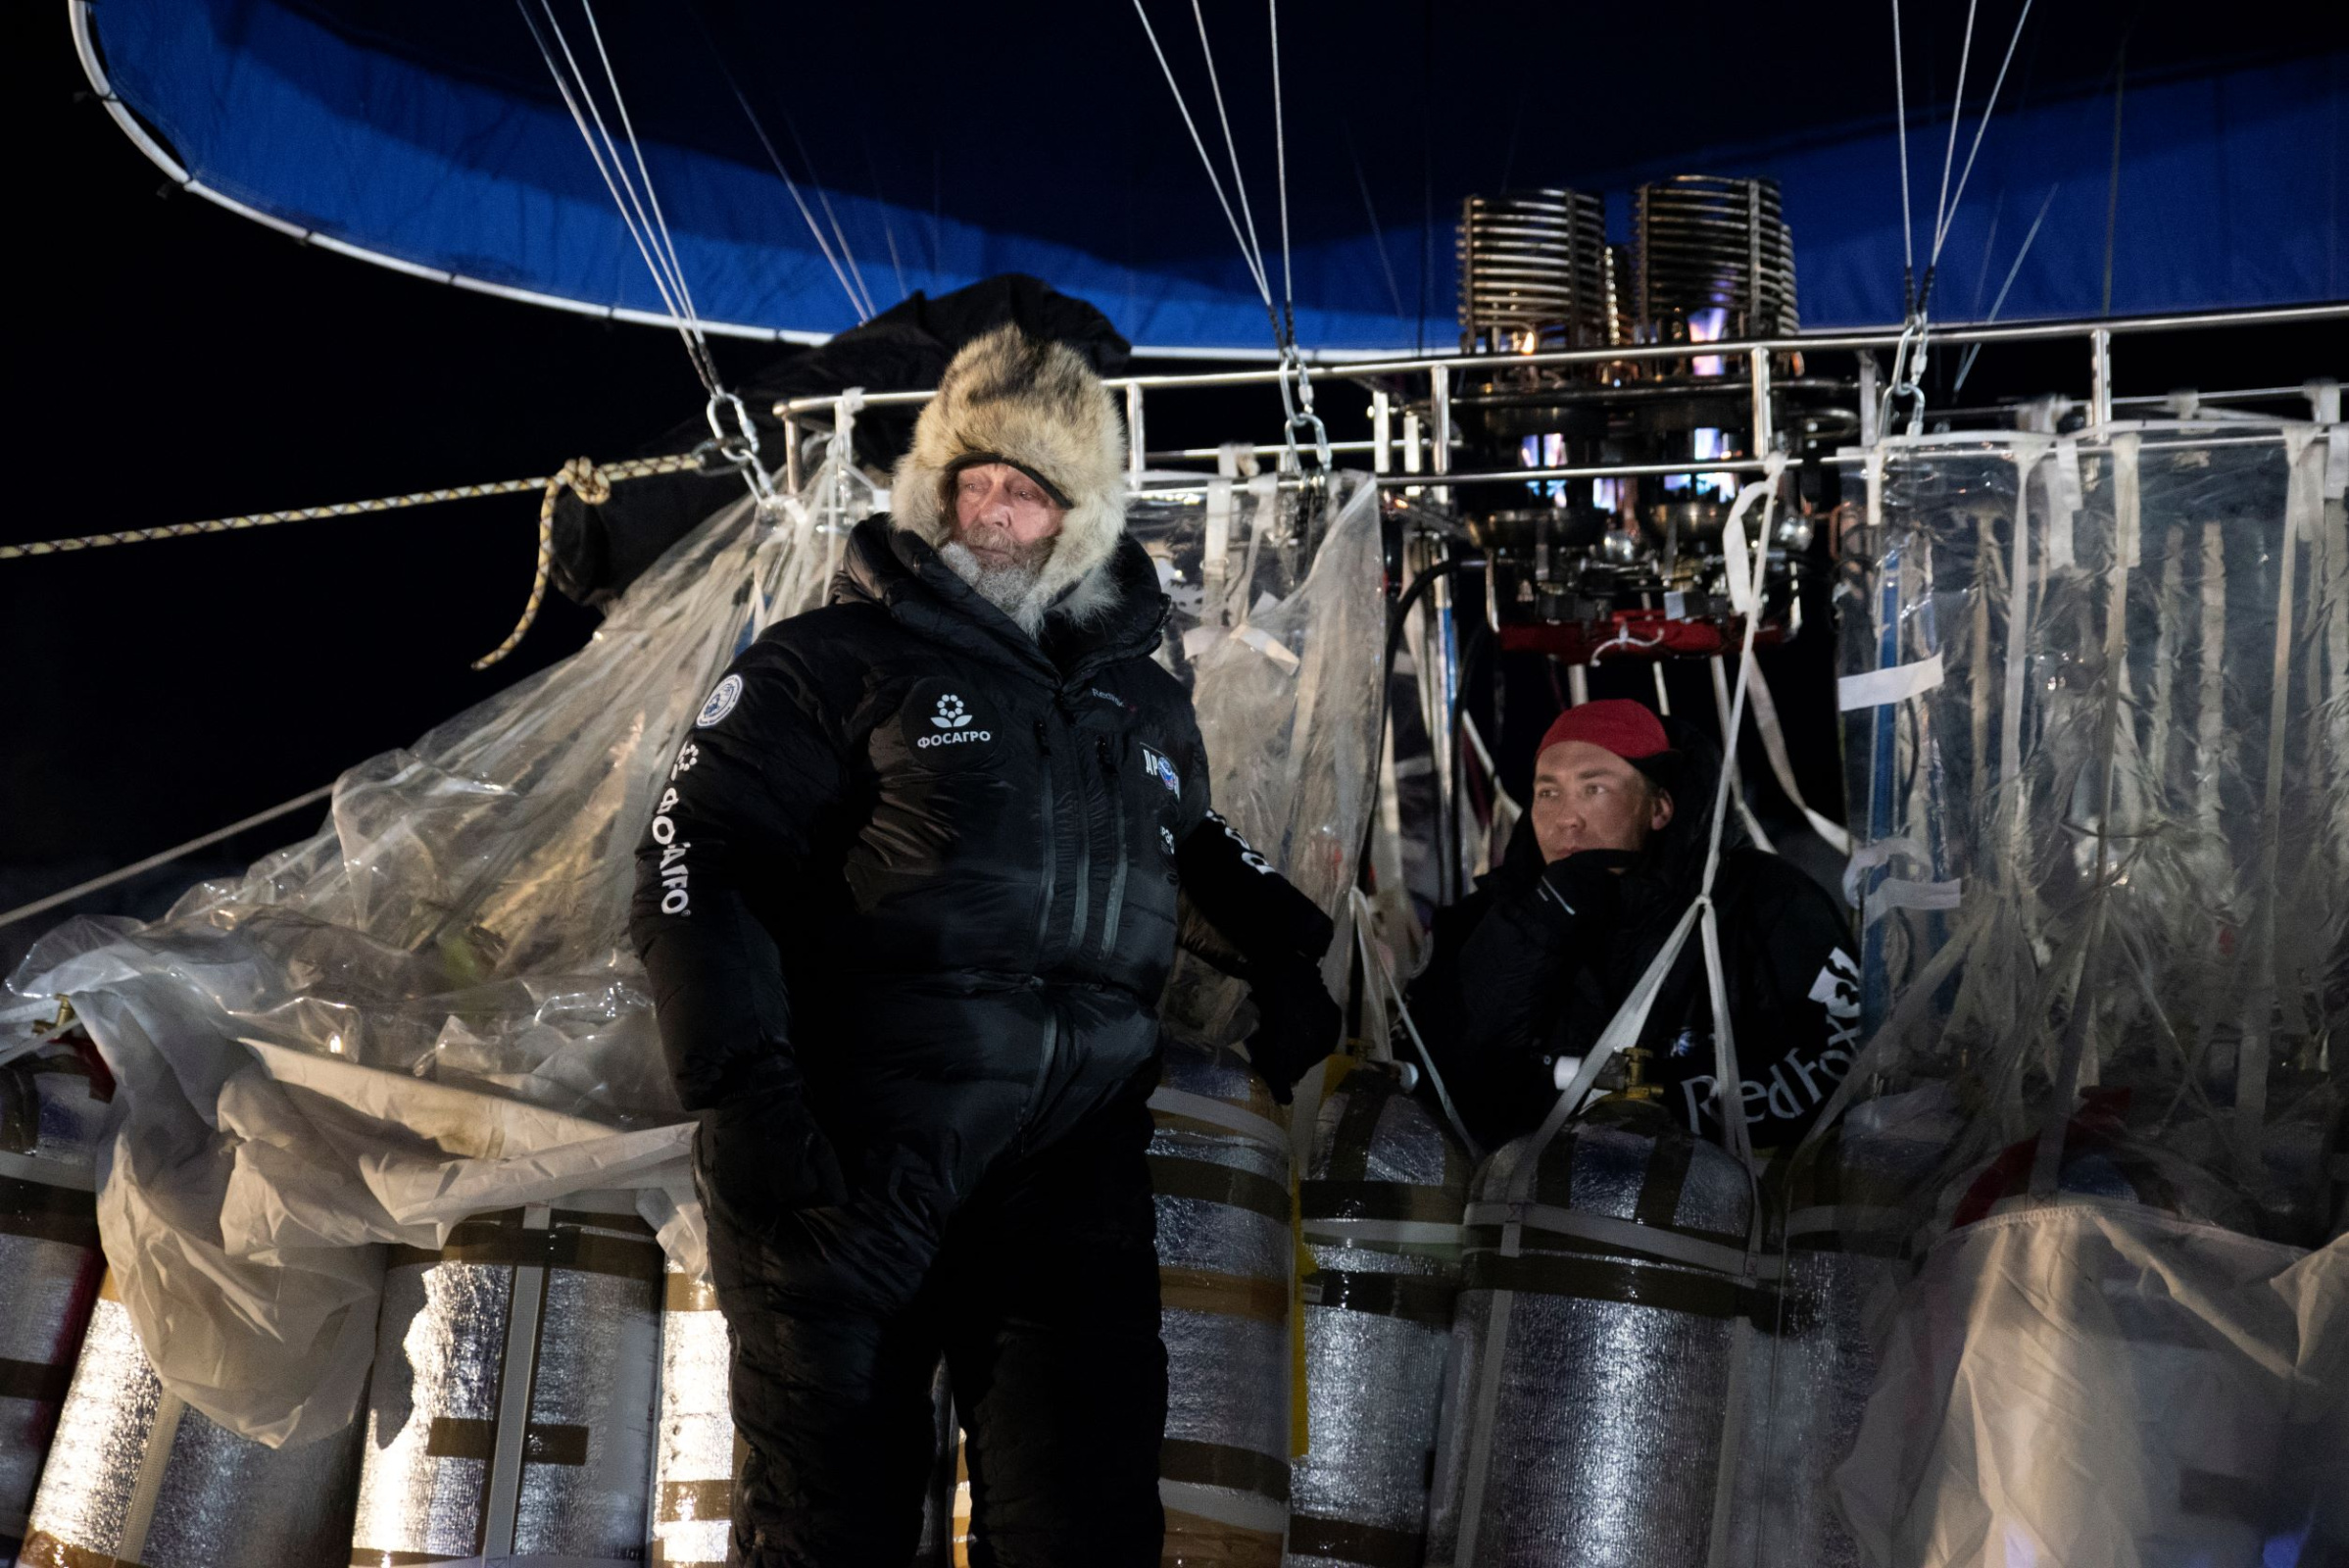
x,y
1117,874
1044,1062
1044,881
1082,915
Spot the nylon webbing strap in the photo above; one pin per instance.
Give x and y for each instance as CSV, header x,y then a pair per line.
x,y
1216,1464
1344,1539
1383,1201
1671,1244
1420,1297
1201,1290
1598,1279
1220,1115
1173,1176
66,1215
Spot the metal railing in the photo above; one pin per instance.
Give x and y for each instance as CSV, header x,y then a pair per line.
x,y
1425,444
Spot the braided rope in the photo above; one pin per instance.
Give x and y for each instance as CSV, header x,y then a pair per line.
x,y
631,468
595,488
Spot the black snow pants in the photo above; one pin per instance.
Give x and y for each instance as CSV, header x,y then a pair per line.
x,y
1041,1290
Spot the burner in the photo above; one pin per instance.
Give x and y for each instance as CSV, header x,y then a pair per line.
x,y
1534,273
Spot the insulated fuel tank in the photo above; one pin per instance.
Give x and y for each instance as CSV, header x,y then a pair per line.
x,y
1219,1163
1380,1208
1600,1301
698,1458
511,1406
53,1099
135,1477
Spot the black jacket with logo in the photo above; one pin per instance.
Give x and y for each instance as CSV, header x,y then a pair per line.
x,y
928,871
1516,981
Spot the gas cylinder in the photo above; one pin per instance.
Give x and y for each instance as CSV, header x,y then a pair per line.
x,y
698,1455
1220,1166
135,1476
53,1102
1380,1208
510,1410
1601,1294
1844,1241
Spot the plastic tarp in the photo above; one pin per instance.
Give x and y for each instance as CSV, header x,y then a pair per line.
x,y
2096,695
430,1009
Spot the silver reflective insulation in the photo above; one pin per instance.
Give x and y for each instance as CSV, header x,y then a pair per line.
x,y
1807,1381
696,1454
50,1264
135,1476
1380,1178
1226,1259
1594,1435
512,1409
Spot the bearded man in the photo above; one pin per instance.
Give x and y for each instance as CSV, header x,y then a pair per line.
x,y
908,903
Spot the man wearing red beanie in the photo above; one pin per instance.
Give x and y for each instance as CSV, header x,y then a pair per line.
x,y
1529,968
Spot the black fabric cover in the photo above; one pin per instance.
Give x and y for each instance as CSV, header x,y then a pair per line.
x,y
1515,981
600,550
924,872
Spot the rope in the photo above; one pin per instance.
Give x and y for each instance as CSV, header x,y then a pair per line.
x,y
1988,105
124,873
1247,258
1957,116
580,474
1900,128
632,468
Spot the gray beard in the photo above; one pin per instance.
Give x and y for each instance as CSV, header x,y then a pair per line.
x,y
1005,587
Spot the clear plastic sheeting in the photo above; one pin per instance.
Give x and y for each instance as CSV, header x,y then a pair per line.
x,y
430,1011
2075,1238
1279,628
2097,701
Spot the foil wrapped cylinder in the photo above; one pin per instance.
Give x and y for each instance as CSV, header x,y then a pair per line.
x,y
512,1405
697,1455
52,1103
1846,1242
1219,1163
1592,1348
135,1477
1380,1208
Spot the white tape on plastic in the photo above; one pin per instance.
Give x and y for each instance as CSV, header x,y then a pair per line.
x,y
1900,893
2336,463
2064,500
1868,857
1265,643
1879,688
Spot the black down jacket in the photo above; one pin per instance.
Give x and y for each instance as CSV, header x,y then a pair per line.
x,y
927,873
1517,981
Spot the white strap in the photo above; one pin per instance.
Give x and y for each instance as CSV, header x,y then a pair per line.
x,y
1881,688
1219,1114
1774,744
1392,1232
48,1172
1627,1234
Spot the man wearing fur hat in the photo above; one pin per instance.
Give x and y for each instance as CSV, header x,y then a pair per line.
x,y
1529,969
907,902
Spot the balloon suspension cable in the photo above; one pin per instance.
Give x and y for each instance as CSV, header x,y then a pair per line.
x,y
1900,139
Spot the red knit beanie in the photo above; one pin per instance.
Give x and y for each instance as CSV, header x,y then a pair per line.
x,y
1614,725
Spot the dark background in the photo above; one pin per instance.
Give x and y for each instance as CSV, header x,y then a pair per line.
x,y
174,361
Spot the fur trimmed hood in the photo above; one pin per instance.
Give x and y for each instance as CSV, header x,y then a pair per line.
x,y
1036,405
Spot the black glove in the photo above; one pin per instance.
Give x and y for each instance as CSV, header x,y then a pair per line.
x,y
761,1155
1298,1024
1587,886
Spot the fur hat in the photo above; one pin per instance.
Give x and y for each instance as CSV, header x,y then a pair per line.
x,y
1037,406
